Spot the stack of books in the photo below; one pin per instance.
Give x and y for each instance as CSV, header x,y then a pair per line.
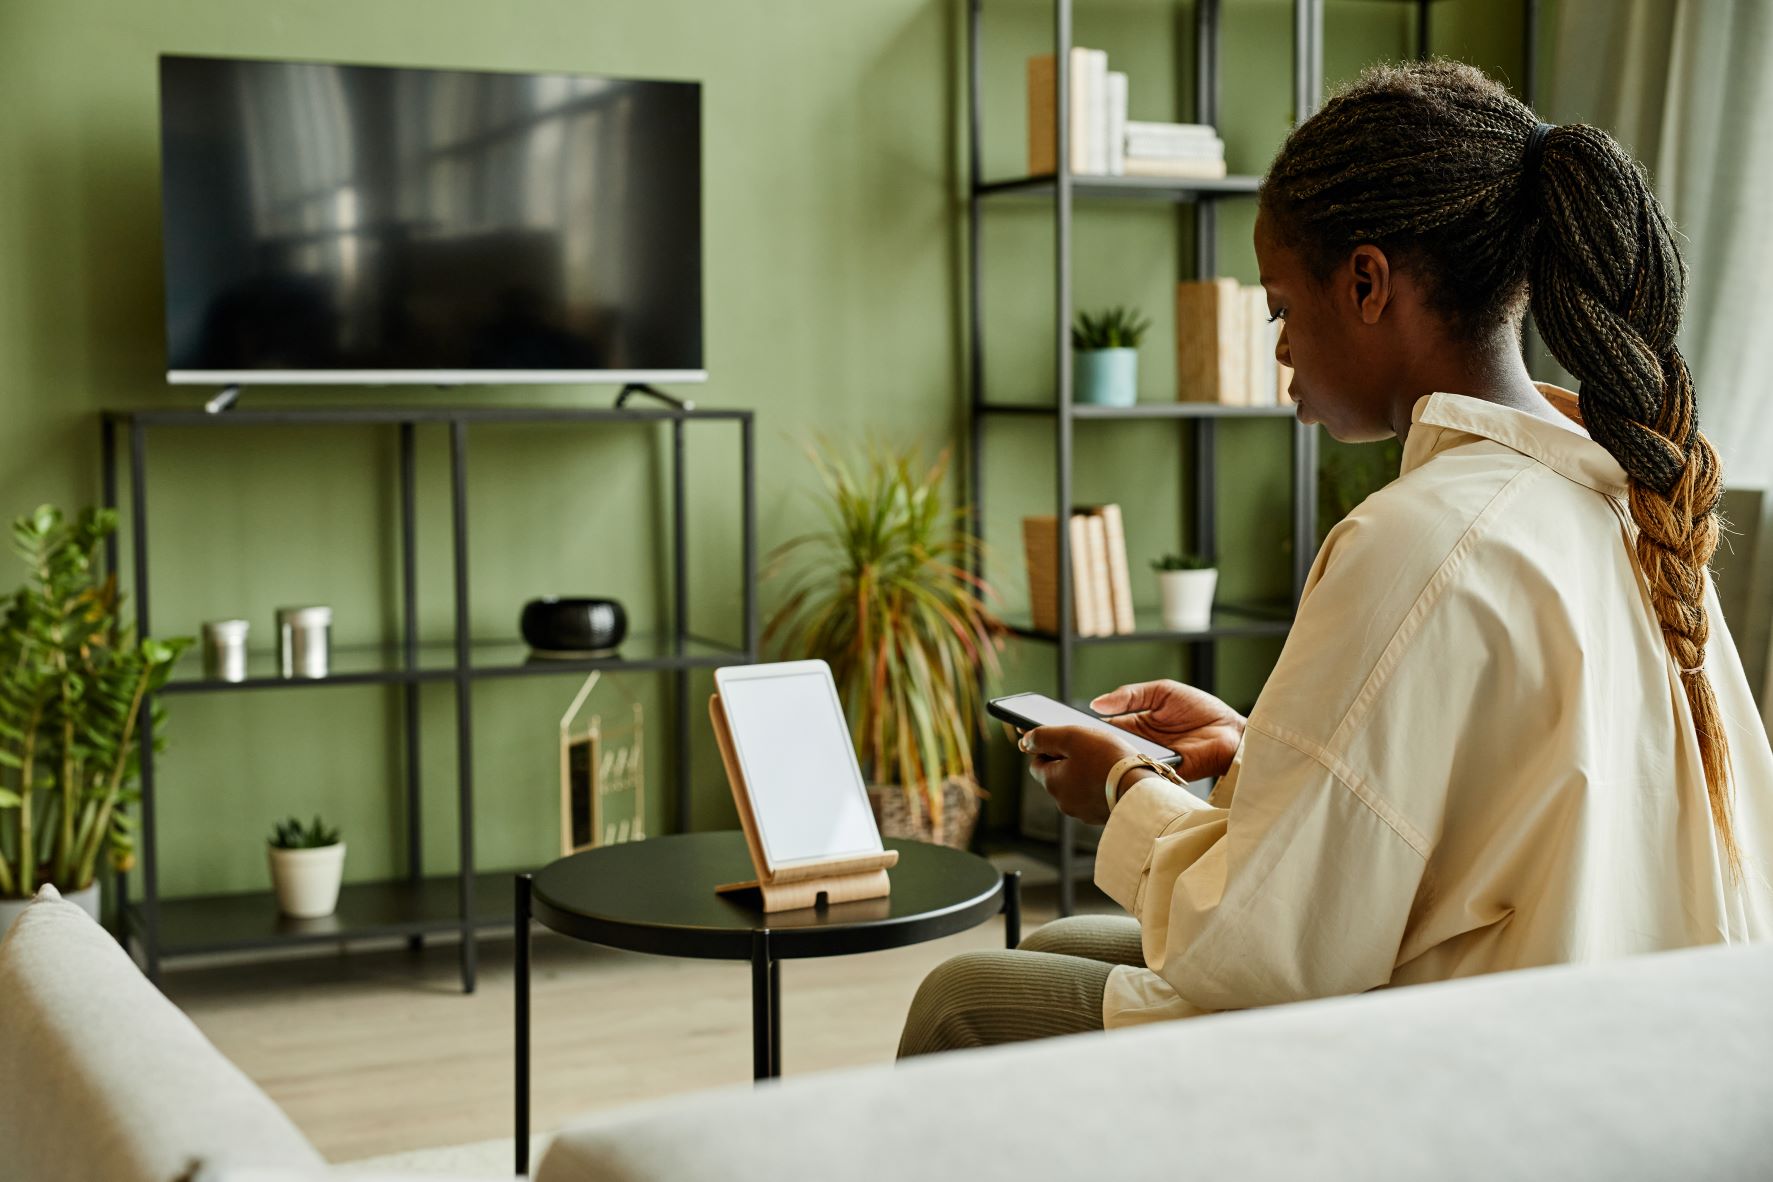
x,y
1225,345
1184,151
1101,142
1101,584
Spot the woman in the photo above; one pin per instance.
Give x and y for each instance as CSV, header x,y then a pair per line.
x,y
1508,727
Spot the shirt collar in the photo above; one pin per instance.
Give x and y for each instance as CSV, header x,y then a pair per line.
x,y
1566,450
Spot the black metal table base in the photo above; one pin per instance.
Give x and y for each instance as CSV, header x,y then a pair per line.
x,y
766,998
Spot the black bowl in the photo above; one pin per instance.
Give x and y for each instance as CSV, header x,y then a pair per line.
x,y
573,625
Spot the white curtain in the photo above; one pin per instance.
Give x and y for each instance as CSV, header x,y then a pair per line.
x,y
1687,87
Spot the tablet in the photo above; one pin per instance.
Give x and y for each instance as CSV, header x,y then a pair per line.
x,y
792,743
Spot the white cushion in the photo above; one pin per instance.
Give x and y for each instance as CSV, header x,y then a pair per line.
x,y
1650,1068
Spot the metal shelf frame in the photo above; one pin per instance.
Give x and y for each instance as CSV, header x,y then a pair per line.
x,y
1199,200
410,904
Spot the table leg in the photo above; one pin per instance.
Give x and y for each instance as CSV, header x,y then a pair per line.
x,y
763,978
775,1018
1012,908
523,914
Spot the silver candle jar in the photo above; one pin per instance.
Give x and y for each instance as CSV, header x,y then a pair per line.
x,y
224,650
303,640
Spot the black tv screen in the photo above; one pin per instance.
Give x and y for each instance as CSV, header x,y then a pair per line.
x,y
359,224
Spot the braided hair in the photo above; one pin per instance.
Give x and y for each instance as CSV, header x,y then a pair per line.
x,y
1460,184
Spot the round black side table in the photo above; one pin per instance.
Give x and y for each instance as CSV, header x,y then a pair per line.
x,y
658,896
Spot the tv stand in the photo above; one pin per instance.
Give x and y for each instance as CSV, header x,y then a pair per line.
x,y
670,400
414,900
224,400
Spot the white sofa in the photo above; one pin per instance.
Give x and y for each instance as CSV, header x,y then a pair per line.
x,y
1652,1068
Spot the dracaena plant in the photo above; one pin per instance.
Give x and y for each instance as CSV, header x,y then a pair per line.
x,y
884,594
76,694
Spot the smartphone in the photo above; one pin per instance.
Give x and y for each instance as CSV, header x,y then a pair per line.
x,y
1027,711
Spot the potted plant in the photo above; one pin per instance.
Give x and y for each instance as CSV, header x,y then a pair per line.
x,y
307,864
1105,357
1186,583
885,596
76,696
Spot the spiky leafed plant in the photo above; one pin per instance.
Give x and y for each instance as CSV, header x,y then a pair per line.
x,y
1115,328
885,596
75,692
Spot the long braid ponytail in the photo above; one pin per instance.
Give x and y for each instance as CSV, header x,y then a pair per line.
x,y
1608,283
1454,178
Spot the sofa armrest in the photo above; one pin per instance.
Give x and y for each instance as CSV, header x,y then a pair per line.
x,y
106,1078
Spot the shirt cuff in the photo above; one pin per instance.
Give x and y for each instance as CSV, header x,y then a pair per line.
x,y
1139,818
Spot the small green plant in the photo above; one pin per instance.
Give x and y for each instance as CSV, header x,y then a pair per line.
x,y
1181,562
1116,328
290,835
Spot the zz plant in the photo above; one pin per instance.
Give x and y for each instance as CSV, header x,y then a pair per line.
x,y
76,695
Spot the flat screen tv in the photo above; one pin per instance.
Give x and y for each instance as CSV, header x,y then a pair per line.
x,y
359,224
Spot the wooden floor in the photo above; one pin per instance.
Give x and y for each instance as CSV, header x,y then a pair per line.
x,y
378,1051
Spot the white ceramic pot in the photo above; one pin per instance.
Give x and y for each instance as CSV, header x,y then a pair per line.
x,y
307,881
88,899
1187,598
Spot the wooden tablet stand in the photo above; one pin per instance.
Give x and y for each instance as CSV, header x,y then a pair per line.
x,y
839,880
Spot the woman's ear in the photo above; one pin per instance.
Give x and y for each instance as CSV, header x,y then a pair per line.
x,y
1370,282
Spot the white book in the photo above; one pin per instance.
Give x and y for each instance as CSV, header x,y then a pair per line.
x,y
1201,149
1098,112
1078,95
1117,123
1259,348
1172,130
1176,169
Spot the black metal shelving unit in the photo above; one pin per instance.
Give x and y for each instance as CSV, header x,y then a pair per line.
x,y
466,900
1201,197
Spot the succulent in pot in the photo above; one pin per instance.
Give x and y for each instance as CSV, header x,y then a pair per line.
x,y
1186,583
307,865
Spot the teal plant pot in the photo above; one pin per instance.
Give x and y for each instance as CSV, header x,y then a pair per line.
x,y
1106,377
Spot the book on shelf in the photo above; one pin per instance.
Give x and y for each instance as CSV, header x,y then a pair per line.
x,y
1174,168
1120,581
1117,123
1096,113
1225,345
1101,587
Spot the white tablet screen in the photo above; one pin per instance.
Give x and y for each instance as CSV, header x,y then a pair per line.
x,y
799,764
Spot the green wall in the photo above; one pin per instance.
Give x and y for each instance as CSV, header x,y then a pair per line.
x,y
833,167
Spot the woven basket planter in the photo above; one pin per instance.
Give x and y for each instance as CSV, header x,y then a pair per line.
x,y
902,814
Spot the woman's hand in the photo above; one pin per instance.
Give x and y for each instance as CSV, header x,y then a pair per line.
x,y
1194,724
1072,763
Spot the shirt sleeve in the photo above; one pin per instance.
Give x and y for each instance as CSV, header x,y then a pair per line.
x,y
1301,890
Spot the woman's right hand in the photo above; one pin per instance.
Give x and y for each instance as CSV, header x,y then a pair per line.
x,y
1194,724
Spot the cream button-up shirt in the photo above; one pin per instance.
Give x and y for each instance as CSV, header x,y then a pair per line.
x,y
1474,753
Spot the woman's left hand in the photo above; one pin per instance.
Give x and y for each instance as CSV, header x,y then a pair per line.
x,y
1072,763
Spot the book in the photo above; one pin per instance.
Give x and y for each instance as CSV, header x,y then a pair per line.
x,y
1211,340
1092,588
1082,110
1120,581
1172,130
1043,107
1102,586
1178,169
1133,145
1097,90
1117,123
1087,126
1260,343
